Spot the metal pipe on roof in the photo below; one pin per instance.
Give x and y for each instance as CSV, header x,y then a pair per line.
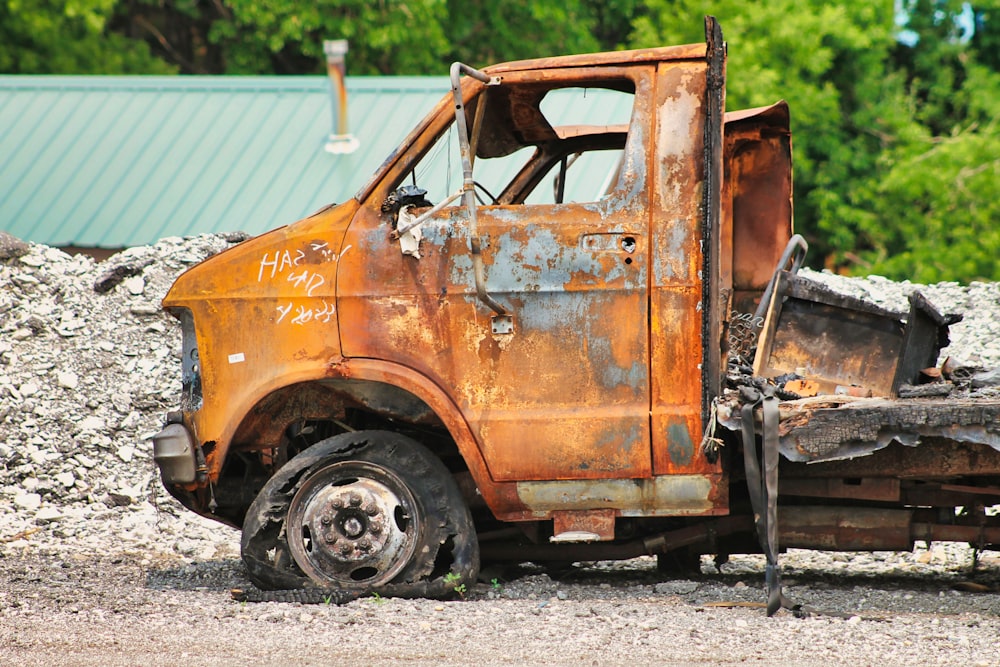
x,y
340,139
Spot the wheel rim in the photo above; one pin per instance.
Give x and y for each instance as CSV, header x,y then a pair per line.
x,y
352,524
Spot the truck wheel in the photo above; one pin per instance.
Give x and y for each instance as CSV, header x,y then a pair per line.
x,y
367,512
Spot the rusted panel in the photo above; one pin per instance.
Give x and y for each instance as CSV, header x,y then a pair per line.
x,y
845,528
676,379
667,495
857,488
676,292
934,458
265,317
756,201
566,396
663,53
599,523
842,342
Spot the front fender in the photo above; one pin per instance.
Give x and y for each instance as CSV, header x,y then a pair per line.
x,y
254,421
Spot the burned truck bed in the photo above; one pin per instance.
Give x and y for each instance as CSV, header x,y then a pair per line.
x,y
848,419
830,428
853,377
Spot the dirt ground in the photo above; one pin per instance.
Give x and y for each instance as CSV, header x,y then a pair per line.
x,y
141,609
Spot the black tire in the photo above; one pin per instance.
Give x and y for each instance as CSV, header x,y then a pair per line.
x,y
368,512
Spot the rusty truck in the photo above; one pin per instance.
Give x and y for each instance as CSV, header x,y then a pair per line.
x,y
401,386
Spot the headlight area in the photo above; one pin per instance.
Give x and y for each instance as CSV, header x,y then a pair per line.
x,y
191,396
175,451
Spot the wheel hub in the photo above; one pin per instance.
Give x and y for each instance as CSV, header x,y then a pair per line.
x,y
352,519
352,523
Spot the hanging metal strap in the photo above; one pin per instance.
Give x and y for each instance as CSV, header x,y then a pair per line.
x,y
764,488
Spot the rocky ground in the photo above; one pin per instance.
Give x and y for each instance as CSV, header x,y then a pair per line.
x,y
99,566
121,607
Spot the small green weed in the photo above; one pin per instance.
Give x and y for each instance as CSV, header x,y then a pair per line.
x,y
451,578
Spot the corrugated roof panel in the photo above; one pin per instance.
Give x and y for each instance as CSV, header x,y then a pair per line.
x,y
140,179
23,120
266,187
118,142
77,173
208,158
162,153
117,161
246,120
102,146
29,161
211,161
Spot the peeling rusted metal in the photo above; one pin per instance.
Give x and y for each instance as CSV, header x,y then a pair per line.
x,y
846,345
858,427
846,528
663,495
756,220
583,526
932,458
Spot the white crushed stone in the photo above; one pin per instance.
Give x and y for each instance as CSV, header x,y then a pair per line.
x,y
85,378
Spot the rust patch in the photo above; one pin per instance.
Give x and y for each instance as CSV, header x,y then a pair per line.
x,y
599,523
845,345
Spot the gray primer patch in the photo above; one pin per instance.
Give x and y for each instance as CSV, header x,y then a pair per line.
x,y
668,494
679,444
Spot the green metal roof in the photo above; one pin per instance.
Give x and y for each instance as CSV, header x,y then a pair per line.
x,y
110,162
121,161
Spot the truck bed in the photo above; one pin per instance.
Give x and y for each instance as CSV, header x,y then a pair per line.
x,y
828,428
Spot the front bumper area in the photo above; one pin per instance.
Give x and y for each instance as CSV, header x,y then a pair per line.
x,y
176,454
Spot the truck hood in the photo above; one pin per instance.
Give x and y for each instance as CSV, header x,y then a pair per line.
x,y
298,260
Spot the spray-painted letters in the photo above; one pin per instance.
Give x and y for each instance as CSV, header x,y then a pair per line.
x,y
287,263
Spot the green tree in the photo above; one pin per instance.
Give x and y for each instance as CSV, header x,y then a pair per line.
x,y
936,196
485,32
176,31
421,37
895,139
69,37
389,37
985,41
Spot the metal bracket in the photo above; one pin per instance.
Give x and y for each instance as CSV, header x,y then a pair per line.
x,y
502,324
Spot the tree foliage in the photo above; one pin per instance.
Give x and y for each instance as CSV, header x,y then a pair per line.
x,y
895,126
69,37
894,110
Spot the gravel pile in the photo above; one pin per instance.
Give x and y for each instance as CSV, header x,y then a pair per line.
x,y
94,552
88,365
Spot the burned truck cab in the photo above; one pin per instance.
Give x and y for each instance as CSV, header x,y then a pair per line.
x,y
529,294
513,343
